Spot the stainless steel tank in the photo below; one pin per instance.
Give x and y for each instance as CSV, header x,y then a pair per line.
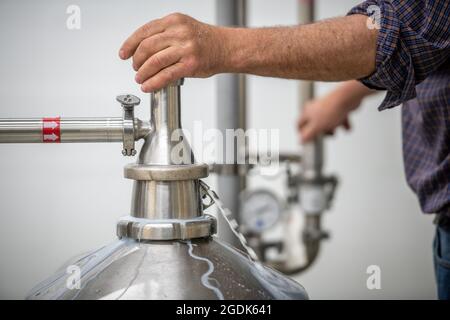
x,y
167,247
193,269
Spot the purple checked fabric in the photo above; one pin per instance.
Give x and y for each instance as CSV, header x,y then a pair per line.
x,y
413,66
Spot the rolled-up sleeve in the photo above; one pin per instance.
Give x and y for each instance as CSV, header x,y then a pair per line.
x,y
413,42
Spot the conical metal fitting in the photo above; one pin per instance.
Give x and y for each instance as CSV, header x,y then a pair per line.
x,y
167,200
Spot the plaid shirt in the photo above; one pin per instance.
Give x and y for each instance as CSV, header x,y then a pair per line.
x,y
413,66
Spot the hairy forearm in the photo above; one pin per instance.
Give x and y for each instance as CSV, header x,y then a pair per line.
x,y
332,50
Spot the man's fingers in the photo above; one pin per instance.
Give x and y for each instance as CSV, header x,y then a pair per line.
x,y
147,30
308,133
305,115
347,125
148,47
163,78
157,62
302,121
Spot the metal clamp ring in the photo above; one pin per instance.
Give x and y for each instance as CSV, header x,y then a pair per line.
x,y
166,172
170,229
128,103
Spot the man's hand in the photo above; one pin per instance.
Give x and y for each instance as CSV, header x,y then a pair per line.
x,y
177,46
324,115
321,116
173,47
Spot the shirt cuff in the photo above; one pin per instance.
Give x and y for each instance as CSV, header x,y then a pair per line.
x,y
394,69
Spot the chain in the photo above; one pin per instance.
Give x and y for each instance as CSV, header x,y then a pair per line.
x,y
228,216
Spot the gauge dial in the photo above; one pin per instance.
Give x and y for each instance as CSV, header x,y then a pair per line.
x,y
260,210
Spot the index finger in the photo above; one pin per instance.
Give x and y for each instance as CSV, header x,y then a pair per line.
x,y
147,30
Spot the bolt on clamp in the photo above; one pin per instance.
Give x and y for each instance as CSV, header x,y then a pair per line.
x,y
128,103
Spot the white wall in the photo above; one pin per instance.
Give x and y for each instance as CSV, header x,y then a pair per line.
x,y
59,200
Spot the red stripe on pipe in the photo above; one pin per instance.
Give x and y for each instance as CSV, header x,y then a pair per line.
x,y
51,130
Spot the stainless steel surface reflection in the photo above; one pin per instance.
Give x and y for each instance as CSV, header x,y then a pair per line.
x,y
195,269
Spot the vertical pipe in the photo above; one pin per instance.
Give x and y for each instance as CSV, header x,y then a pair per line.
x,y
231,114
312,156
312,162
312,152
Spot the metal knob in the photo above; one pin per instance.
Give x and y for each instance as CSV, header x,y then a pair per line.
x,y
128,103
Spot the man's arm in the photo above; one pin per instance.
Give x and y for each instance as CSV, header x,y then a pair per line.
x,y
331,50
179,46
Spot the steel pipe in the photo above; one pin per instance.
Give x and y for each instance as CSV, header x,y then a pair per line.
x,y
67,130
231,114
312,165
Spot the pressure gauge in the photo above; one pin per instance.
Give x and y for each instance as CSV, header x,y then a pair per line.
x,y
260,210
